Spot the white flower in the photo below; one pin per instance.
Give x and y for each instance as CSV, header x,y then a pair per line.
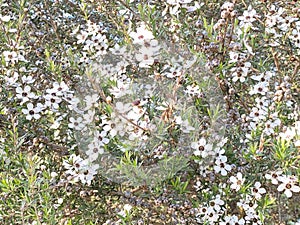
x,y
94,150
123,108
260,88
77,124
28,79
288,185
114,126
88,116
237,181
202,148
60,88
257,190
5,18
120,90
52,101
33,112
221,165
141,35
24,94
262,102
217,203
232,220
193,90
234,57
145,57
102,137
91,101
173,72
241,73
273,176
80,169
257,114
88,170
72,165
249,16
10,57
136,113
82,37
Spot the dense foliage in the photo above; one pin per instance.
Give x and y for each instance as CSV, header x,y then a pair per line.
x,y
149,112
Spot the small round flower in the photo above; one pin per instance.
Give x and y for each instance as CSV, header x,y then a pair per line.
x,y
141,35
52,101
257,114
87,172
273,176
24,94
260,88
33,112
248,17
91,101
217,203
202,148
258,191
237,181
221,165
77,124
10,57
95,148
288,185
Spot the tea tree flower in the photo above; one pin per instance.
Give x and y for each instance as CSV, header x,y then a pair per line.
x,y
217,203
257,190
221,165
76,124
113,126
95,148
52,101
91,101
288,185
82,37
240,73
248,17
260,88
72,164
273,176
121,89
193,90
142,34
257,114
88,171
262,103
27,79
237,181
32,112
24,94
202,148
10,57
